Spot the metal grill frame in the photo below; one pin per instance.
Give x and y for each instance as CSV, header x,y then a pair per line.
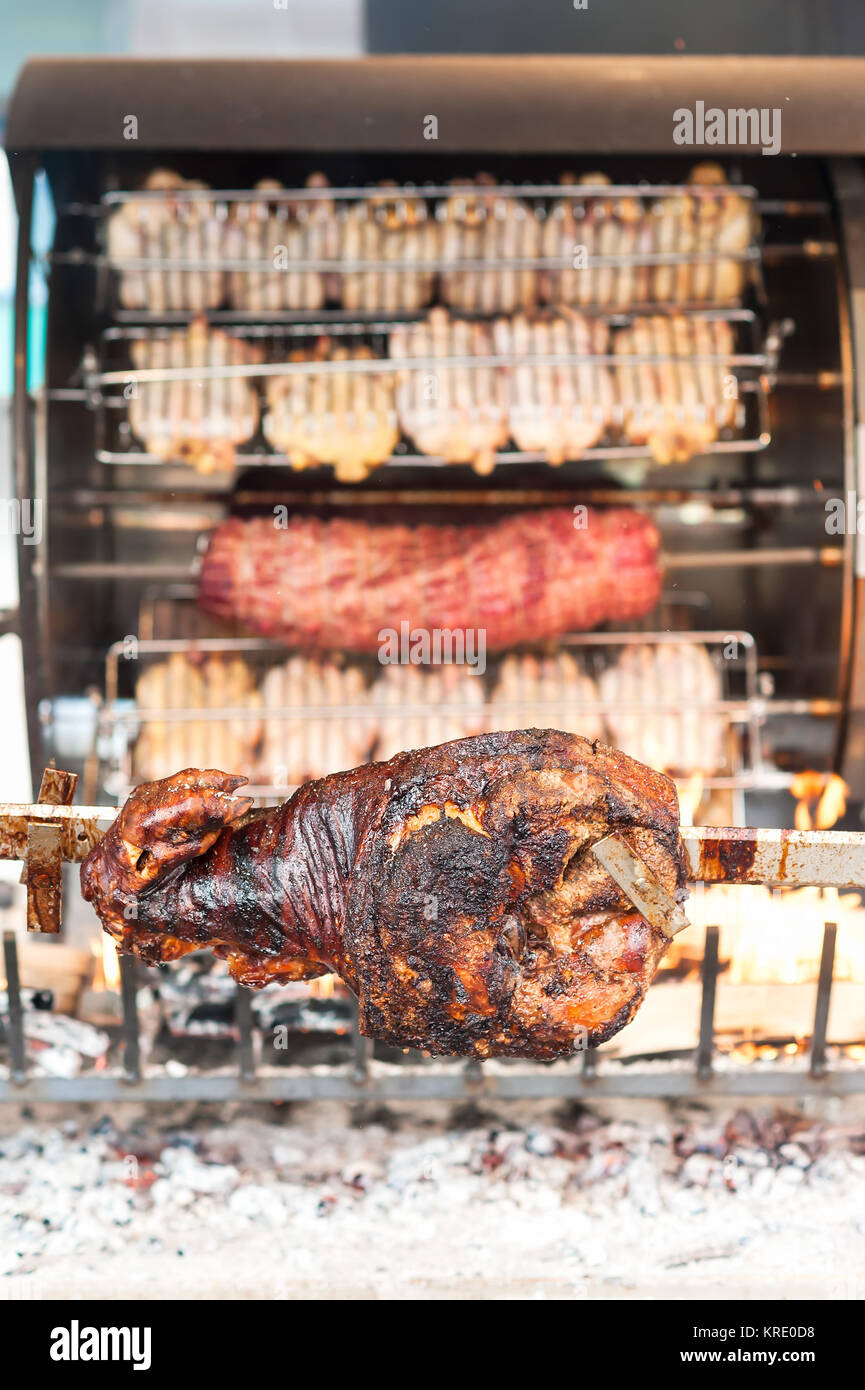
x,y
364,1081
747,772
756,370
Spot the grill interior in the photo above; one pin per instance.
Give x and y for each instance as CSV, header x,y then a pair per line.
x,y
740,516
753,586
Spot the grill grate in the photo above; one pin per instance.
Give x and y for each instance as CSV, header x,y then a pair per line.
x,y
688,702
703,383
390,249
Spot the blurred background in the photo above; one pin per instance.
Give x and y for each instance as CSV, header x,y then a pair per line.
x,y
346,28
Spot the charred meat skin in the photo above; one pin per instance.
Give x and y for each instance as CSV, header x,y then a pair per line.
x,y
452,888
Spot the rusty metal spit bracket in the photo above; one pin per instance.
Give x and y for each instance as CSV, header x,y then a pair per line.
x,y
45,833
43,867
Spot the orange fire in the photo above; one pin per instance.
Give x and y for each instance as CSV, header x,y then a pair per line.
x,y
775,936
821,800
106,972
323,987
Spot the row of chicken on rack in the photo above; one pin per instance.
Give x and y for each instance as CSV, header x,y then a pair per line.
x,y
305,716
398,250
556,385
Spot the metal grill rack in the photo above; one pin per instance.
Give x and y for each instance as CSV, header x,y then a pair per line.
x,y
189,248
365,1080
110,379
721,727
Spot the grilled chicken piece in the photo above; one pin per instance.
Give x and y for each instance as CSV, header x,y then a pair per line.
x,y
451,889
602,228
492,226
671,687
347,419
562,409
676,405
456,413
279,232
199,422
172,229
216,681
539,690
394,227
692,224
456,695
294,749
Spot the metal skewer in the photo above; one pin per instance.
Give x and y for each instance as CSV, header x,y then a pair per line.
x,y
728,854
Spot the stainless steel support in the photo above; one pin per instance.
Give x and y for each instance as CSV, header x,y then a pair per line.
x,y
706,1044
15,1015
246,1039
824,996
433,1083
131,1040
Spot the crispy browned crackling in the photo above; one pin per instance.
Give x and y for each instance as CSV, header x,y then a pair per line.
x,y
452,889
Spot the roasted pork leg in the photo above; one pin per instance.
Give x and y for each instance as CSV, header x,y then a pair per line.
x,y
452,889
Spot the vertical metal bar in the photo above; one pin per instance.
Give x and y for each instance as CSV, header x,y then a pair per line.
x,y
590,1063
17,1048
824,996
34,639
706,1044
473,1075
361,1048
246,1041
131,1042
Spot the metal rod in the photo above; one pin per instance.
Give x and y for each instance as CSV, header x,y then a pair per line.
x,y
131,1036
709,977
345,322
15,1011
487,192
438,1083
384,366
829,556
426,264
362,1049
246,1040
134,322
787,858
123,569
824,996
590,1063
612,452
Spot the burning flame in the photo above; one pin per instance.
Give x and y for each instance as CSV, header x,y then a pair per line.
x,y
775,935
323,987
106,975
690,796
820,800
